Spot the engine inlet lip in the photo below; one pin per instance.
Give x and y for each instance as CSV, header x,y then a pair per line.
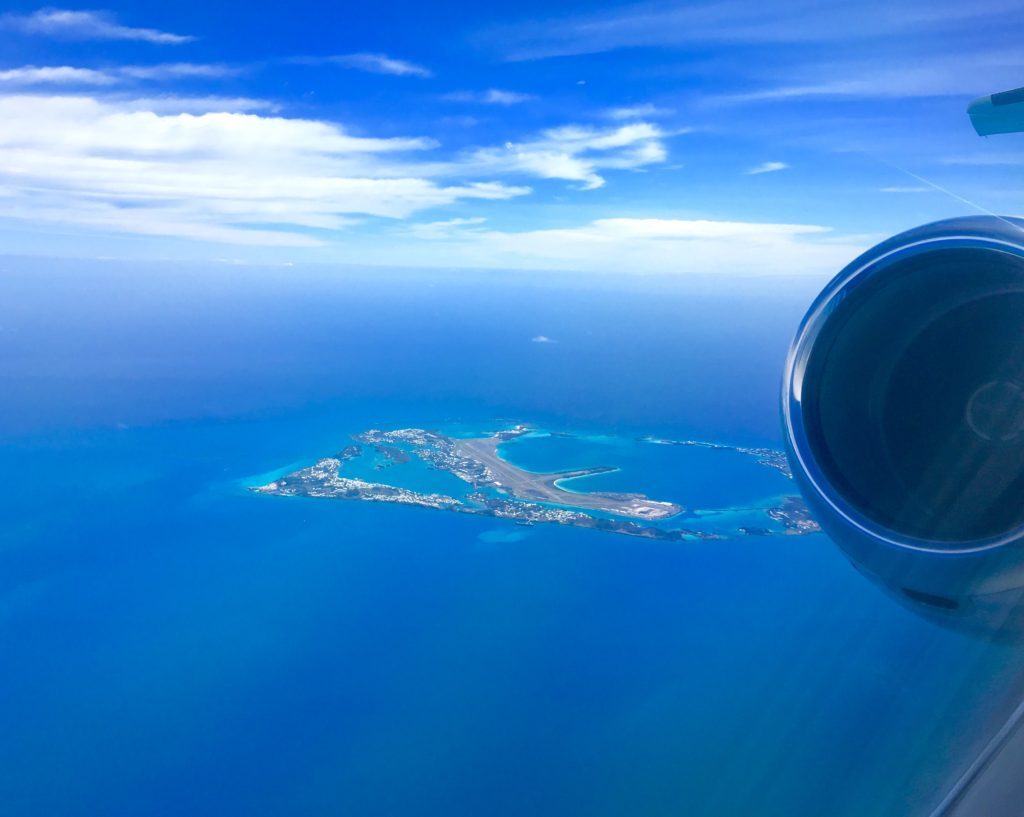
x,y
952,234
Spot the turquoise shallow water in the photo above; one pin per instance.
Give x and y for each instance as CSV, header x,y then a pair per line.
x,y
698,478
174,644
415,474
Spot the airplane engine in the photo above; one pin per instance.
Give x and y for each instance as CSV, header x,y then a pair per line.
x,y
903,412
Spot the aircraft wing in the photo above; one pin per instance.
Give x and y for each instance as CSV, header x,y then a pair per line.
x,y
998,113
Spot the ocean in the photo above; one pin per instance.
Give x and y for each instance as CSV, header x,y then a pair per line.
x,y
175,644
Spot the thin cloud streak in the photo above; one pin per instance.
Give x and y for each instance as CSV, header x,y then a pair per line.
x,y
640,246
766,167
85,25
929,74
29,75
180,70
176,104
373,64
660,24
901,190
445,229
492,96
55,75
645,111
985,159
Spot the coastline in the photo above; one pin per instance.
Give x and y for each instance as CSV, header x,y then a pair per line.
x,y
494,486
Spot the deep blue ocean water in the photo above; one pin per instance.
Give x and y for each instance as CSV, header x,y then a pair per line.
x,y
173,644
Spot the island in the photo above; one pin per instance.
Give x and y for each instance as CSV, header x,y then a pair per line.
x,y
495,487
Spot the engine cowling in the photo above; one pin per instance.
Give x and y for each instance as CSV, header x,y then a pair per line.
x,y
903,413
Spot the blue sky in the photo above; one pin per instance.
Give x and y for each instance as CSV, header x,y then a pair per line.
x,y
655,137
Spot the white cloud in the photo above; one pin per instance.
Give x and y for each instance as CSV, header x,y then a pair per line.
x,y
55,75
85,25
542,339
654,245
94,125
766,167
219,176
645,111
492,96
227,169
576,153
375,64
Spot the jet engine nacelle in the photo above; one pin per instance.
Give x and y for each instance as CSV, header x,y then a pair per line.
x,y
903,411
